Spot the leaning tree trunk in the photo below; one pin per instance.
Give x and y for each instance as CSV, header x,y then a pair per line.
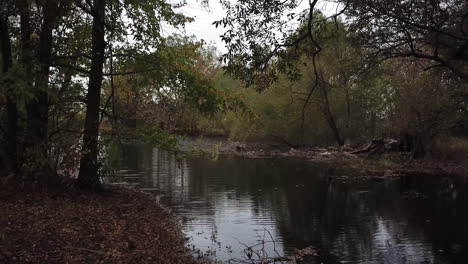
x,y
330,118
332,124
88,176
11,136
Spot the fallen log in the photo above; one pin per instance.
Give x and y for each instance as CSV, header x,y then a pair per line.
x,y
378,146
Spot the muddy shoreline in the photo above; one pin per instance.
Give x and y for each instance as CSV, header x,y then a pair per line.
x,y
365,165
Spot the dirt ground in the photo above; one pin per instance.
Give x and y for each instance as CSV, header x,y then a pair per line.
x,y
116,226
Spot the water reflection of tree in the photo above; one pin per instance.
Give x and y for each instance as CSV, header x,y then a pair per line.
x,y
381,225
401,220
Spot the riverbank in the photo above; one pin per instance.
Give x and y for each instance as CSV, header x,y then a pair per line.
x,y
376,163
116,226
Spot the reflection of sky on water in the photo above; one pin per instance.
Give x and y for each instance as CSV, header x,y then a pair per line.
x,y
228,203
232,225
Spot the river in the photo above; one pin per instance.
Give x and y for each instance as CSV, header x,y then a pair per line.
x,y
233,203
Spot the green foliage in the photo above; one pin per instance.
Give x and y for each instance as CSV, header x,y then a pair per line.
x,y
367,99
215,151
175,72
152,75
433,32
16,83
257,34
426,104
296,84
446,147
277,112
156,137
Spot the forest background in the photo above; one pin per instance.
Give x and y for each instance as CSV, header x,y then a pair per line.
x,y
79,77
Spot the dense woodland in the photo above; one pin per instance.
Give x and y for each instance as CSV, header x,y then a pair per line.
x,y
81,75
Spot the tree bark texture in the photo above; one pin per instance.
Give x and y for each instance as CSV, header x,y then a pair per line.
x,y
11,136
36,140
329,117
88,176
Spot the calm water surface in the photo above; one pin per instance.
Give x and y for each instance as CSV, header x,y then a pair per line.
x,y
232,203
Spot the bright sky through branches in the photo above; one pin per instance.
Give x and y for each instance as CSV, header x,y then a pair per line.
x,y
204,16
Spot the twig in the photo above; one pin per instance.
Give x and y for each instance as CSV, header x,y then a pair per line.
x,y
274,243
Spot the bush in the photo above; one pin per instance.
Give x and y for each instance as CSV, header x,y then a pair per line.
x,y
451,148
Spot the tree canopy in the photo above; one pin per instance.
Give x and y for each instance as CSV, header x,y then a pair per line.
x,y
60,57
77,74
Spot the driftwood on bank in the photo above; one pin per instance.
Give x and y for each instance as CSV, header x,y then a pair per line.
x,y
407,144
379,146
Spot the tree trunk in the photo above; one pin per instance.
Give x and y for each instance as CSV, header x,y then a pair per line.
x,y
88,176
26,61
26,31
330,118
334,128
36,140
11,107
419,148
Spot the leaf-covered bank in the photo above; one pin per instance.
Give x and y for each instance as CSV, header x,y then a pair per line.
x,y
117,226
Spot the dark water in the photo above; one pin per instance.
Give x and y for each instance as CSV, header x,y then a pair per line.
x,y
229,204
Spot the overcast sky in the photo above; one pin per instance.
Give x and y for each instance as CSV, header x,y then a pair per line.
x,y
202,27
